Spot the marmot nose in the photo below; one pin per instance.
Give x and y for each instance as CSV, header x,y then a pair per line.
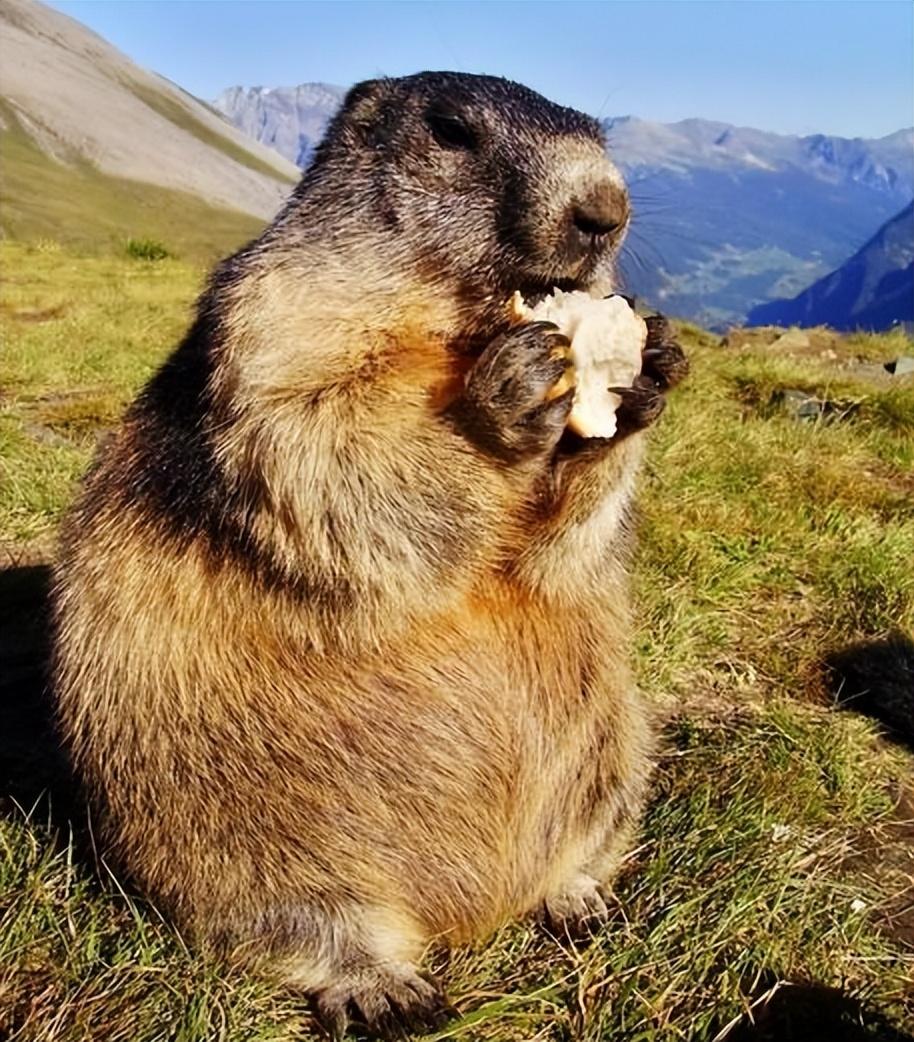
x,y
590,222
599,216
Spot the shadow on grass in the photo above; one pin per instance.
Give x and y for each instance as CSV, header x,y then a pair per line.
x,y
33,770
876,678
812,1013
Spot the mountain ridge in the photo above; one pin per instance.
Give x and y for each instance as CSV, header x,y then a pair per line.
x,y
695,142
289,119
872,290
726,217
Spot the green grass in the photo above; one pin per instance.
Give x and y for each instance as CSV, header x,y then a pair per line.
x,y
766,541
80,336
146,249
78,206
773,849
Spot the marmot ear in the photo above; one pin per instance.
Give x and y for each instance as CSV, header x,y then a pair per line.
x,y
366,112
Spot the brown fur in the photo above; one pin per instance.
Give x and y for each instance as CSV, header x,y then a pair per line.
x,y
339,681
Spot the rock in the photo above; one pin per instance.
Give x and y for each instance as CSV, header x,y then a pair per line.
x,y
798,404
806,407
792,340
902,366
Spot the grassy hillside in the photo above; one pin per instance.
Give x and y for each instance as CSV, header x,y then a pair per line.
x,y
183,117
776,863
79,206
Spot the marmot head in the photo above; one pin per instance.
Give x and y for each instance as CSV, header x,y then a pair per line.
x,y
476,178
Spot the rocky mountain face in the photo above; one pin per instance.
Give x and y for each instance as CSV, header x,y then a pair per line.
x,y
726,217
79,100
873,290
289,119
884,164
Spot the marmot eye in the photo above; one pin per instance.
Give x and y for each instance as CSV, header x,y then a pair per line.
x,y
450,131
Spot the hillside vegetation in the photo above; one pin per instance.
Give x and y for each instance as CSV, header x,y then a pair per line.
x,y
84,104
78,205
770,896
873,290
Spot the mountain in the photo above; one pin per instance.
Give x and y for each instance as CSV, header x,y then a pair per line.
x,y
729,217
883,164
873,290
289,119
726,217
95,146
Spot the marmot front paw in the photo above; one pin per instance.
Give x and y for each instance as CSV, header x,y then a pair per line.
x,y
663,360
663,365
506,406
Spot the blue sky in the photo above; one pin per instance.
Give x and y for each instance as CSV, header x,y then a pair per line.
x,y
795,66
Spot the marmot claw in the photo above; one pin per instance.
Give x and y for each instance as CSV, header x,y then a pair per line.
x,y
663,365
641,405
383,1003
577,913
663,359
506,407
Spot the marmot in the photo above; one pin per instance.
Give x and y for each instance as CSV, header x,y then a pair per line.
x,y
341,613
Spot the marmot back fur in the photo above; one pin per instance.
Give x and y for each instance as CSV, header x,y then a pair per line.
x,y
341,613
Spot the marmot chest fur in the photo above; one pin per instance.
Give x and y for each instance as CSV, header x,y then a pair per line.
x,y
341,616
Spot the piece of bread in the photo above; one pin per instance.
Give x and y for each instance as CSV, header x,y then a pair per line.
x,y
607,339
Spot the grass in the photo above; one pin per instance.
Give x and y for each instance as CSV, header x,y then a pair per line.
x,y
76,205
146,249
775,864
786,538
81,335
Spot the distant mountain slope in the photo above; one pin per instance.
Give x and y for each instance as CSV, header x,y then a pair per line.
x,y
725,216
873,290
883,164
79,206
80,101
289,119
728,217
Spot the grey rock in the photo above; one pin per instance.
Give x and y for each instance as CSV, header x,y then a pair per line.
x,y
791,340
800,405
902,366
806,407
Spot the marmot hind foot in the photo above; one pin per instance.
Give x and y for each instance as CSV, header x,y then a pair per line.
x,y
388,1001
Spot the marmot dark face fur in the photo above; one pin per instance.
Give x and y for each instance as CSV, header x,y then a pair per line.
x,y
341,613
471,180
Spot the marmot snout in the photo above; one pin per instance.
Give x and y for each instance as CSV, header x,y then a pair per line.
x,y
342,626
